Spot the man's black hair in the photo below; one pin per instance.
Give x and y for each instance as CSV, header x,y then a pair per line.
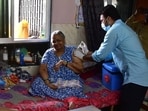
x,y
111,11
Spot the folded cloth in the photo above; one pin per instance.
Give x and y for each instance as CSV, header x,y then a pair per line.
x,y
78,53
67,83
83,47
81,51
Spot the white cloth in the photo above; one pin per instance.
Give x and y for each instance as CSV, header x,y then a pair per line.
x,y
67,83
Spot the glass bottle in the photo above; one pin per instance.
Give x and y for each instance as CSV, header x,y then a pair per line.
x,y
5,54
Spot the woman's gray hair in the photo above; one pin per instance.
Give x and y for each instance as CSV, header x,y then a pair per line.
x,y
57,32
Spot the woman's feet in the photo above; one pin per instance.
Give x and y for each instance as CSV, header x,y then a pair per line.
x,y
72,105
7,109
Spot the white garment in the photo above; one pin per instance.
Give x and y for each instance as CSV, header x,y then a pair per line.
x,y
67,83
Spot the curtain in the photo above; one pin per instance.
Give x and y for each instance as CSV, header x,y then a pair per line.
x,y
33,12
94,32
125,8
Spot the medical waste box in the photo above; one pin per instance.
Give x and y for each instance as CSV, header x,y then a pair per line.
x,y
111,76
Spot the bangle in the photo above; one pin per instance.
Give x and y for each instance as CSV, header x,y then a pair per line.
x,y
66,63
45,80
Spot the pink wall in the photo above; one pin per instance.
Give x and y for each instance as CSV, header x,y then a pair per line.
x,y
63,11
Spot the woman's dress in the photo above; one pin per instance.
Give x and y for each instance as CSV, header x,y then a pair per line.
x,y
38,86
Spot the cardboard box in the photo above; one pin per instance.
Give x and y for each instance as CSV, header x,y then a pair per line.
x,y
111,76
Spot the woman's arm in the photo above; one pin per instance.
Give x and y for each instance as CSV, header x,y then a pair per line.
x,y
45,76
76,65
43,71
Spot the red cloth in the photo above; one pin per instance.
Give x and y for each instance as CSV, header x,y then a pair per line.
x,y
100,99
38,106
90,72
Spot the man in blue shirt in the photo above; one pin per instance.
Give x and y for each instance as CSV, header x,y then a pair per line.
x,y
128,55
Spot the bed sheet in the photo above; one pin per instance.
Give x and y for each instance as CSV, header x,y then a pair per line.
x,y
18,98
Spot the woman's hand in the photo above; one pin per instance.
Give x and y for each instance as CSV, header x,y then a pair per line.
x,y
52,86
58,64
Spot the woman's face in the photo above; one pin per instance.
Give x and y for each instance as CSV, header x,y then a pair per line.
x,y
58,42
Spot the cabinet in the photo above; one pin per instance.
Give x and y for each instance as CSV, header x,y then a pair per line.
x,y
38,15
32,48
32,70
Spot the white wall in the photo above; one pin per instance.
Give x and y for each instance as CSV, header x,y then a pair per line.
x,y
63,18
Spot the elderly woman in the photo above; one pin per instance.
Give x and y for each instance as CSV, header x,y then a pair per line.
x,y
59,71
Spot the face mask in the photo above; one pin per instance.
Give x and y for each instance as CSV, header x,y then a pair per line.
x,y
106,28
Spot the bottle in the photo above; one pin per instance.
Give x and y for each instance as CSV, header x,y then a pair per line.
x,y
5,55
22,62
35,59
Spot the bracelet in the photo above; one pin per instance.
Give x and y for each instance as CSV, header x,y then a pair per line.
x,y
66,63
45,80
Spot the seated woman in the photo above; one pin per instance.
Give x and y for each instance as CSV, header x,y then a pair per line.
x,y
59,63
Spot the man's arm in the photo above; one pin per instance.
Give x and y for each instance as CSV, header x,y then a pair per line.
x,y
88,57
